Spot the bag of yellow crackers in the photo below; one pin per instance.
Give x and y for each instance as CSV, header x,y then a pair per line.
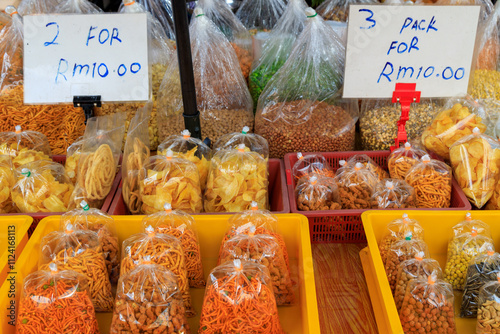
x,y
24,146
475,160
7,182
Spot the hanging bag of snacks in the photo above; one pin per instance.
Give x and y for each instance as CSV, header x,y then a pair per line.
x,y
431,180
104,225
356,185
316,192
7,183
81,251
488,306
189,148
222,95
338,10
402,159
148,300
254,142
162,249
24,146
42,186
236,179
428,304
183,227
77,7
311,163
260,15
393,194
168,179
56,301
239,298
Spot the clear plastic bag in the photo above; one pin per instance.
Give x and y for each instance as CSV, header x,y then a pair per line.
x,y
73,158
104,225
192,149
316,192
436,311
462,249
393,194
167,179
260,15
27,7
162,249
277,47
402,159
154,289
356,185
239,298
486,6
431,180
338,10
24,146
263,249
42,186
99,158
222,94
468,225
7,182
56,296
401,251
162,11
236,179
397,229
254,142
488,307
81,251
457,120
301,107
311,163
487,42
77,7
223,17
482,269
183,227
475,160
369,164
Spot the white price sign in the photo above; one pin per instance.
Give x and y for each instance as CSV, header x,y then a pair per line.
x,y
75,55
432,46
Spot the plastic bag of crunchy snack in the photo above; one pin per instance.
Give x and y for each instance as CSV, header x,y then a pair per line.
x,y
469,224
369,164
316,192
42,186
24,146
488,306
254,142
338,10
182,226
402,159
356,185
73,158
104,225
7,182
301,109
311,163
393,194
260,15
189,148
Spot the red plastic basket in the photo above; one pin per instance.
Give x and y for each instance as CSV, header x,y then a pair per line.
x,y
278,193
37,216
345,226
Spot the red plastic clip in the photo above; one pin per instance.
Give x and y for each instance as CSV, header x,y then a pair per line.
x,y
404,94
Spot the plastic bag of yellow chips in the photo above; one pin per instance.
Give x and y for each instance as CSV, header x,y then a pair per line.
x,y
42,186
255,142
24,146
236,178
475,160
169,179
192,149
456,121
73,158
7,182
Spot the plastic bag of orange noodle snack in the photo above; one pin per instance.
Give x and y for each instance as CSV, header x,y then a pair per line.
x,y
7,182
253,141
402,159
239,298
148,300
192,149
164,250
24,146
182,226
42,186
311,163
81,251
57,296
98,221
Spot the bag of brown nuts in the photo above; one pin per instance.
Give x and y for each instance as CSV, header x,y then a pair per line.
x,y
317,192
402,159
397,231
416,268
338,10
311,163
301,109
356,186
482,269
369,164
393,194
253,141
400,251
428,307
489,308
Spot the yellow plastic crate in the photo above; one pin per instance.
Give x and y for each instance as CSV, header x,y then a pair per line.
x,y
301,318
438,231
14,234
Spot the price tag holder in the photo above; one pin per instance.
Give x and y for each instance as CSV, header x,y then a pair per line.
x,y
104,55
431,46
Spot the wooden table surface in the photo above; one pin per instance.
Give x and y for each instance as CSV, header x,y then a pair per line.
x,y
343,300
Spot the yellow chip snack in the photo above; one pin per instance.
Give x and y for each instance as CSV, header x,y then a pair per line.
x,y
450,125
236,178
24,146
475,160
168,179
7,182
73,158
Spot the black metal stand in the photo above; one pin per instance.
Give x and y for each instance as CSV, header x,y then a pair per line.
x,y
87,103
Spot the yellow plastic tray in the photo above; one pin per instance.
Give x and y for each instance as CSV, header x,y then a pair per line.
x,y
438,231
302,318
13,233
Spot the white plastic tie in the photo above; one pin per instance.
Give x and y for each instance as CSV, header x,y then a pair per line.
x,y
476,131
185,133
167,206
426,158
150,229
170,153
84,205
245,130
300,156
310,13
407,146
198,12
53,267
389,185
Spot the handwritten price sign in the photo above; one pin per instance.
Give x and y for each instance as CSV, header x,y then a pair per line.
x,y
432,46
73,55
